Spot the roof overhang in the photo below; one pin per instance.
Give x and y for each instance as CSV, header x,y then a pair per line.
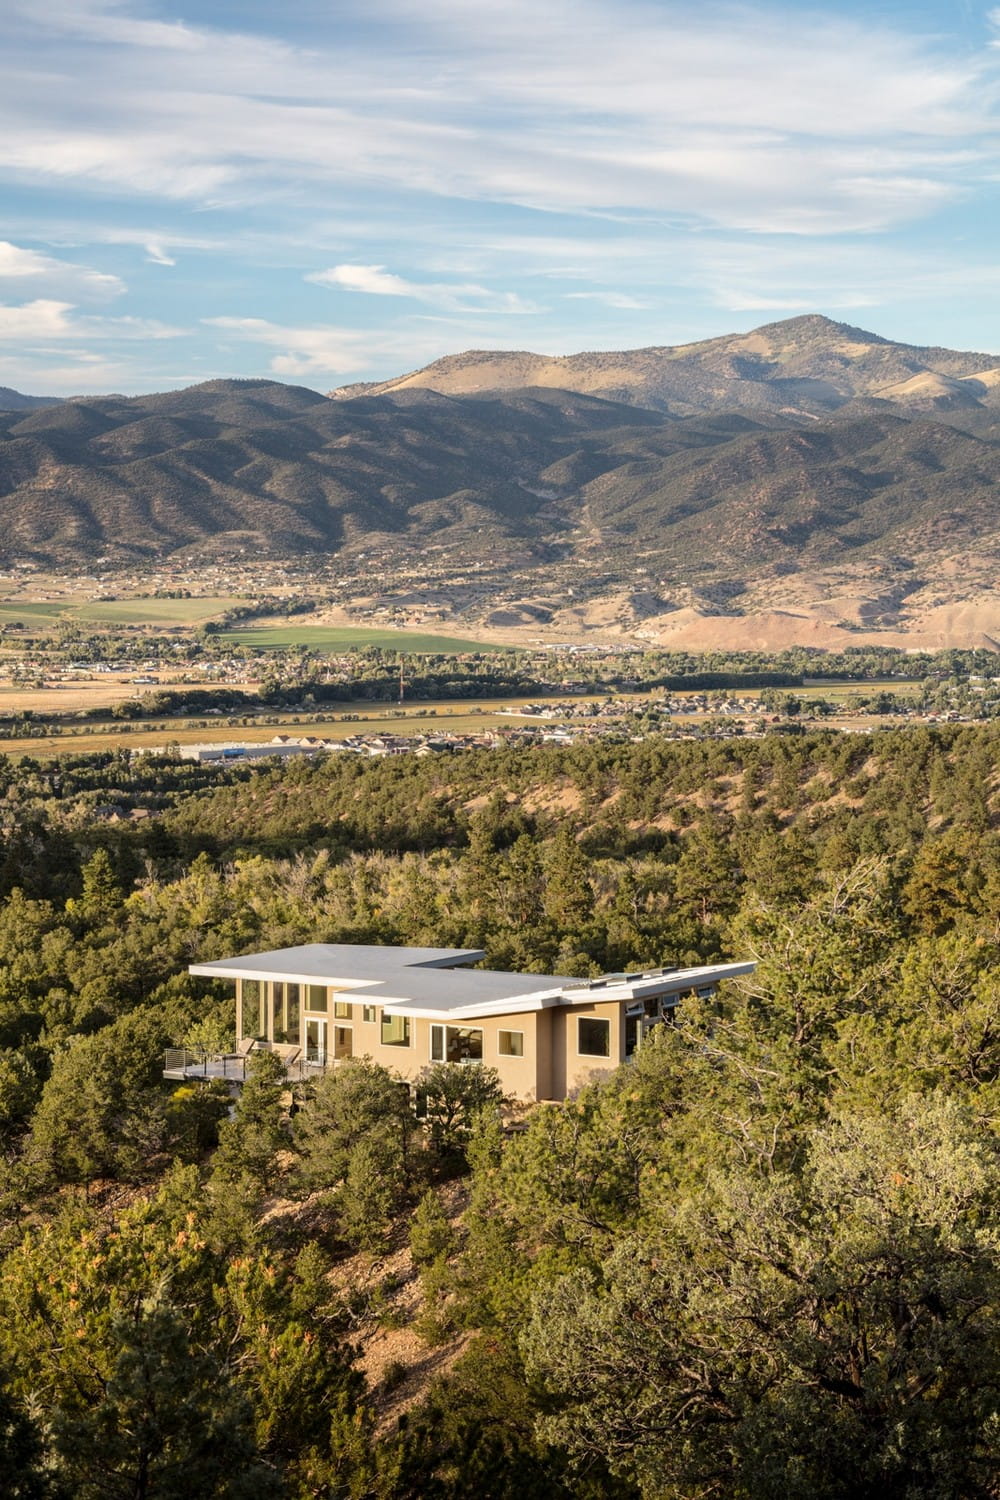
x,y
391,976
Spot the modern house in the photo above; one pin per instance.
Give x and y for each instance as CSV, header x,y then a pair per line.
x,y
408,1008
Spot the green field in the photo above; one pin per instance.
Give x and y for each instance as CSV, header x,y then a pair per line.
x,y
46,615
347,637
154,611
34,616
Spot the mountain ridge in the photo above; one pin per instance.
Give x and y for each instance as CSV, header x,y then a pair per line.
x,y
809,363
11,400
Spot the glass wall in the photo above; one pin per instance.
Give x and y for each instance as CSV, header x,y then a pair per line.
x,y
285,1012
293,1031
254,1021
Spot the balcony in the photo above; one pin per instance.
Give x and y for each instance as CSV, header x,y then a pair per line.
x,y
183,1063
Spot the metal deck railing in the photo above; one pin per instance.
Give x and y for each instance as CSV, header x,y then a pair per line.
x,y
181,1063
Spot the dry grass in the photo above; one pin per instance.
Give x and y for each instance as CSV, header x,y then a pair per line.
x,y
68,697
75,740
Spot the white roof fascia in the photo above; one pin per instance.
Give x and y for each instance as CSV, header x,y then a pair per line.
x,y
481,1011
659,984
221,971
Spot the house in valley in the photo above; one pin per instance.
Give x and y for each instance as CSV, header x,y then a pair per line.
x,y
408,1008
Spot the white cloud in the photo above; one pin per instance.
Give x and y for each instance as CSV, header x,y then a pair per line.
x,y
376,281
743,117
19,264
46,320
334,351
41,319
156,254
306,351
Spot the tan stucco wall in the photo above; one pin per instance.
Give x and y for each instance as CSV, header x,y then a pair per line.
x,y
570,1069
518,1075
550,1068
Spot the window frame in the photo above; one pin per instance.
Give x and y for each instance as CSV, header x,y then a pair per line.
x,y
406,1040
439,1044
593,1021
500,1048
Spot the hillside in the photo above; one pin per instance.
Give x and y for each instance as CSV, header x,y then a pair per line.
x,y
574,511
232,466
325,1292
17,401
807,364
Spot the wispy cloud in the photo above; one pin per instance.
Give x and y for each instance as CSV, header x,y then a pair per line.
x,y
45,319
109,21
305,351
617,300
156,254
18,264
376,281
732,117
333,351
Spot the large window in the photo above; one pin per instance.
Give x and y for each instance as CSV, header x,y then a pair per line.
x,y
285,1012
593,1037
510,1043
395,1031
342,1010
316,998
254,1019
456,1044
292,1003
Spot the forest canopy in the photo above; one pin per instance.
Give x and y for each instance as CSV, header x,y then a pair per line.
x,y
760,1260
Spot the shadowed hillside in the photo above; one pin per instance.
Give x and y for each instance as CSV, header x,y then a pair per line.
x,y
731,492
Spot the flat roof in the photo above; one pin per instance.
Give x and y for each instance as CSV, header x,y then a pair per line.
x,y
436,983
335,963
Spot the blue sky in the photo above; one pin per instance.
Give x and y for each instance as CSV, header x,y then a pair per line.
x,y
325,191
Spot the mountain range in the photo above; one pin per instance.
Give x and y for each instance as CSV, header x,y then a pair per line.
x,y
808,365
805,463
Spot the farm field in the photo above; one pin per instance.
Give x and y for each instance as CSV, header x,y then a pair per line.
x,y
341,636
40,616
448,719
68,697
106,691
154,611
